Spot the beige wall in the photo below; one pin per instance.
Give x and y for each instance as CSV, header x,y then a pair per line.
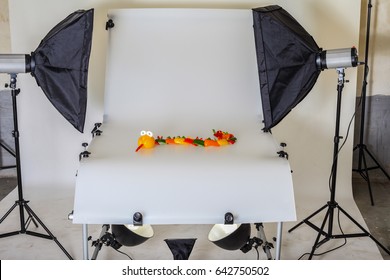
x,y
5,42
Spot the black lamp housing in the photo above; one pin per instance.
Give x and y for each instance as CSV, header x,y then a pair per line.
x,y
230,236
130,235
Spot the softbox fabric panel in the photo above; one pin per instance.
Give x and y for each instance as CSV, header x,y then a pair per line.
x,y
286,59
61,65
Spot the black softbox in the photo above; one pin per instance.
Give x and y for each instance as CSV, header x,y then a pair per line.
x,y
61,65
286,58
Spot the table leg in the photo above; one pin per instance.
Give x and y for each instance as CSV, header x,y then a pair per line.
x,y
85,242
279,240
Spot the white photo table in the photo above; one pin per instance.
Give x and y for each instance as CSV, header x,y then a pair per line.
x,y
183,72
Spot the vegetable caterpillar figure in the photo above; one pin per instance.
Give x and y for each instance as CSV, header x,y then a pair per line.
x,y
147,141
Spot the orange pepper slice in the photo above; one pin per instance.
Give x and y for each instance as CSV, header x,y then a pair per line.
x,y
170,141
209,143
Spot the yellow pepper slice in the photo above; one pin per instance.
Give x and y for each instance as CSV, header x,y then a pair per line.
x,y
222,142
180,140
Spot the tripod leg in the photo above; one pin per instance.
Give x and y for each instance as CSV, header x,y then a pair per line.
x,y
308,218
377,163
12,153
31,212
368,179
23,224
320,233
8,212
266,246
99,245
364,230
5,216
29,220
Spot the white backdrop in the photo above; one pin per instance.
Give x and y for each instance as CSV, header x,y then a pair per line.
x,y
50,146
183,71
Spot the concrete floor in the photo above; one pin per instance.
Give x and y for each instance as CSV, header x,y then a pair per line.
x,y
7,184
376,218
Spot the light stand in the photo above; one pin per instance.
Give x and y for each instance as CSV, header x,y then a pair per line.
x,y
105,238
259,241
21,202
362,168
332,204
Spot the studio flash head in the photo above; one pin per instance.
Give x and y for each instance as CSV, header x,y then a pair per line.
x,y
337,58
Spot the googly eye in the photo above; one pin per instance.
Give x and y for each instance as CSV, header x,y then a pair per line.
x,y
143,132
149,133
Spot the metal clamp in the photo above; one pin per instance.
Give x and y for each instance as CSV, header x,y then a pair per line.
x,y
137,219
282,153
96,131
109,24
84,154
229,218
